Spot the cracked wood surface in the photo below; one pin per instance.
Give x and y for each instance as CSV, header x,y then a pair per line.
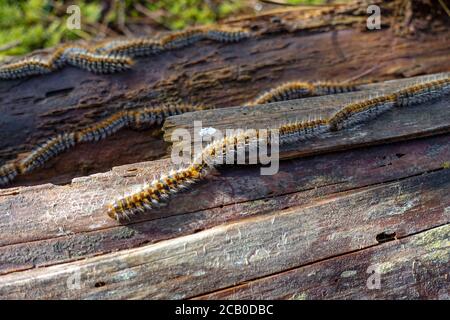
x,y
51,224
330,43
254,247
415,267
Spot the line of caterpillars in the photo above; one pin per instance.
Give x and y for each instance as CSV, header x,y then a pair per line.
x,y
156,193
135,119
143,118
116,55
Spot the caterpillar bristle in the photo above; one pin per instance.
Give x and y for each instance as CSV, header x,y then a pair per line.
x,y
300,89
135,119
46,151
423,92
8,173
153,195
358,112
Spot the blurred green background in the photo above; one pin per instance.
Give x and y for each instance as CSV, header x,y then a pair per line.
x,y
28,25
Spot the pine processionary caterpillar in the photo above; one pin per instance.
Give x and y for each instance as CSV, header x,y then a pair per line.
x,y
154,194
298,89
46,151
97,63
136,119
423,92
358,112
160,190
8,173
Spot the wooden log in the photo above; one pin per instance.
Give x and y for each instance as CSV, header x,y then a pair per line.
x,y
71,218
330,43
259,246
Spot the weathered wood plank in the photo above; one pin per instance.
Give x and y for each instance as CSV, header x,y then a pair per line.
x,y
293,44
49,224
253,247
397,124
415,267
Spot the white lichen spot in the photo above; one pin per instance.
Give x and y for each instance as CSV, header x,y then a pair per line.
x,y
348,273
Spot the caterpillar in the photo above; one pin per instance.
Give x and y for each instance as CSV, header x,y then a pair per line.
x,y
154,194
46,151
299,89
160,190
24,68
136,119
8,173
97,63
116,55
423,92
355,113
362,111
133,48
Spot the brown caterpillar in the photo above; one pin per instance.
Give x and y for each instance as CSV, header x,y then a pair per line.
x,y
423,92
175,40
132,48
358,112
46,151
97,63
8,173
65,55
136,119
160,190
299,89
154,194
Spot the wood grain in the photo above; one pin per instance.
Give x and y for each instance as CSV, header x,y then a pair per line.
x,y
415,267
230,254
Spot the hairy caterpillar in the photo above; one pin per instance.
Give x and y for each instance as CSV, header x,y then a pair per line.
x,y
423,92
361,111
159,190
97,63
46,151
298,89
152,195
136,119
116,55
132,48
8,173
